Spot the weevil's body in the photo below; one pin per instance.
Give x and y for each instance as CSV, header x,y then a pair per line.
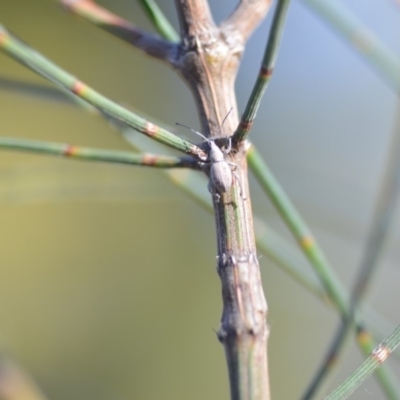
x,y
221,178
221,173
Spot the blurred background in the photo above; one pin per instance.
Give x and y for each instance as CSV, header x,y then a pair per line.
x,y
108,287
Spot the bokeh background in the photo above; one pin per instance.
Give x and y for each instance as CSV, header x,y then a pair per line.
x,y
108,287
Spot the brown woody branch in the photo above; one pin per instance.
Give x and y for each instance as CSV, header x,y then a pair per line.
x,y
208,61
247,15
152,45
194,16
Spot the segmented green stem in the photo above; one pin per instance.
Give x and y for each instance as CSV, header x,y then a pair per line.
x,y
377,357
29,57
266,70
90,154
298,227
159,20
387,379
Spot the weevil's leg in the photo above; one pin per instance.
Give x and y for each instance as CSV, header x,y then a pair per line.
x,y
213,193
228,150
209,187
204,165
240,185
233,165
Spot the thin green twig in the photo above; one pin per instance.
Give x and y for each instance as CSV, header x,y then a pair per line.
x,y
159,20
29,57
377,357
298,228
90,154
314,253
387,379
266,70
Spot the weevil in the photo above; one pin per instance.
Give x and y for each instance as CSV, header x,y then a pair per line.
x,y
221,173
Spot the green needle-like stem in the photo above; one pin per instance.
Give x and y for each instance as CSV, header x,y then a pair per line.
x,y
159,20
29,57
298,227
377,357
90,154
266,70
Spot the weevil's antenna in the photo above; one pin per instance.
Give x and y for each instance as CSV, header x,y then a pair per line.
x,y
228,149
226,116
197,133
